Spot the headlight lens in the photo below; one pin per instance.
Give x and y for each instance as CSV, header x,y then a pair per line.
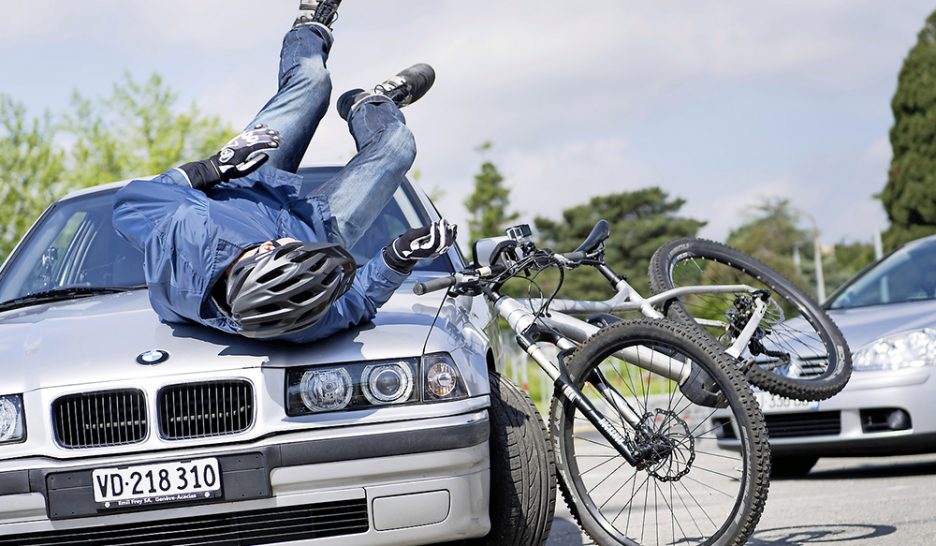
x,y
387,383
12,419
326,390
907,350
361,385
443,382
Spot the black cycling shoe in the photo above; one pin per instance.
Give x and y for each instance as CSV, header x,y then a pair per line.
x,y
403,89
324,12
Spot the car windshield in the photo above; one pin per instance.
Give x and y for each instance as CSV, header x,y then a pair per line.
x,y
74,248
909,274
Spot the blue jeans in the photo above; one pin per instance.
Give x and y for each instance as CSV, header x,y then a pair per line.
x,y
386,148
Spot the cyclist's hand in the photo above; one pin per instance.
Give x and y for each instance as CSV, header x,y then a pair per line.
x,y
424,243
241,156
245,153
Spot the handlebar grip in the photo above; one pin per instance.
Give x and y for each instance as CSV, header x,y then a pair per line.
x,y
422,288
575,256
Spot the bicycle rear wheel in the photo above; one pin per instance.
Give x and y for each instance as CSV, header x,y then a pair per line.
x,y
797,352
705,478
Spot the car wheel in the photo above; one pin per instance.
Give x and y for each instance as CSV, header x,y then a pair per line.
x,y
523,471
790,466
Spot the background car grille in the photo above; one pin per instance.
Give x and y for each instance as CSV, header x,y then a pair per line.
x,y
813,366
795,425
100,419
201,410
258,527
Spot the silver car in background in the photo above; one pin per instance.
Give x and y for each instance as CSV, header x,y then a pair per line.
x,y
117,428
888,316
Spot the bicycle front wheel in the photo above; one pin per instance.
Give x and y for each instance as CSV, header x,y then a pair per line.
x,y
704,473
796,352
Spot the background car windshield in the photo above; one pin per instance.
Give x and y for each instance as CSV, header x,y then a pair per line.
x,y
74,245
909,274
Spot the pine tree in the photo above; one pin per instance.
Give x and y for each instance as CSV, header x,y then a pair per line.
x,y
910,194
488,204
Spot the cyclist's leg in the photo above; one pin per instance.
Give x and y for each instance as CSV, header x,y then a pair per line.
x,y
386,151
303,96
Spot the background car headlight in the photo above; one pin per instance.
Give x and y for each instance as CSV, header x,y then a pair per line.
x,y
361,385
12,419
906,350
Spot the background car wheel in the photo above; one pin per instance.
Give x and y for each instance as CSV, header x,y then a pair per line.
x,y
523,471
791,466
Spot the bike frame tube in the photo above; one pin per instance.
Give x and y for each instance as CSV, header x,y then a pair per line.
x,y
520,319
628,299
650,360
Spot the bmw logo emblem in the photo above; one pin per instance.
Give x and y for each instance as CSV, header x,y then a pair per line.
x,y
151,358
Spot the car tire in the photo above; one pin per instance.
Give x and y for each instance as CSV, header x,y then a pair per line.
x,y
791,466
523,470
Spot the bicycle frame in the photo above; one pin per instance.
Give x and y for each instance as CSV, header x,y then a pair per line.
x,y
628,298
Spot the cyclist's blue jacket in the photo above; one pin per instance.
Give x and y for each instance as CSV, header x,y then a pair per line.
x,y
190,238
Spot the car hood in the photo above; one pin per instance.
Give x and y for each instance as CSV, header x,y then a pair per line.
x,y
98,339
864,325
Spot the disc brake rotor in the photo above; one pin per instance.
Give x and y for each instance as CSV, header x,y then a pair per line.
x,y
671,444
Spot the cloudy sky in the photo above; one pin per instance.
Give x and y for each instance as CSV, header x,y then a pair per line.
x,y
721,103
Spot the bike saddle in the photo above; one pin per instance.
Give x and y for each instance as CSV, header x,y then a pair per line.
x,y
598,235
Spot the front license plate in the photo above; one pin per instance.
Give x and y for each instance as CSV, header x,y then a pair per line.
x,y
772,403
146,485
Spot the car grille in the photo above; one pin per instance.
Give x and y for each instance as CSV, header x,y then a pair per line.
x,y
813,366
100,419
796,425
257,527
202,410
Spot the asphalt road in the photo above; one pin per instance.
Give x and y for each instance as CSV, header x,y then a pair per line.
x,y
862,501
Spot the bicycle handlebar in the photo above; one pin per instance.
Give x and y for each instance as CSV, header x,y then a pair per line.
x,y
422,288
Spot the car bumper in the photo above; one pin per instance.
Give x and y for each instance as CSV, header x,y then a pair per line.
x,y
402,483
854,422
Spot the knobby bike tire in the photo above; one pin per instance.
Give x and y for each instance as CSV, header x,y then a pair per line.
x,y
813,388
749,432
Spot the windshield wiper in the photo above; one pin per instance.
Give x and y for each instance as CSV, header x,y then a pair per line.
x,y
61,294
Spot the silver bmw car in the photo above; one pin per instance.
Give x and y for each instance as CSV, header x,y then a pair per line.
x,y
888,316
116,428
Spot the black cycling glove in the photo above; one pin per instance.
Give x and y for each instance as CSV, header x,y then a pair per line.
x,y
240,157
420,244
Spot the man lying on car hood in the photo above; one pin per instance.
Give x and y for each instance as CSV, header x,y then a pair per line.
x,y
237,247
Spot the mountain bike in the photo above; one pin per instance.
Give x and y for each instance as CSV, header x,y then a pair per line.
x,y
631,419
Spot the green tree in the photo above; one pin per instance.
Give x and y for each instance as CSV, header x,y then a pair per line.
x,y
771,235
641,221
489,203
844,262
137,131
910,194
31,169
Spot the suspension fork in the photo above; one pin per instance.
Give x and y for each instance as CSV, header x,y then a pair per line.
x,y
565,388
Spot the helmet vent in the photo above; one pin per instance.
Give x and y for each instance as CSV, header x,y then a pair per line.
x,y
264,309
332,277
285,285
270,276
303,298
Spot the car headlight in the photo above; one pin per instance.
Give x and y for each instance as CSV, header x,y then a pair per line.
x,y
12,419
906,350
360,385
